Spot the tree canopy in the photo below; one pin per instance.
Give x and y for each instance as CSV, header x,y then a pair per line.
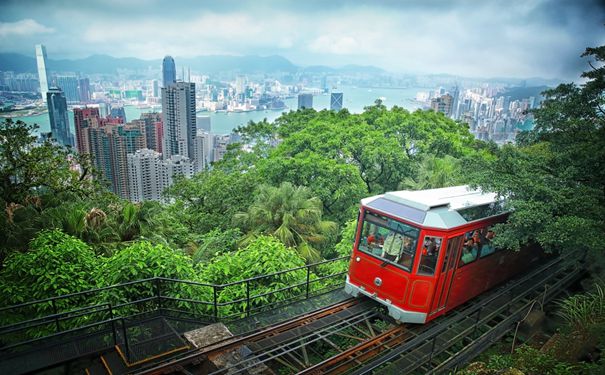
x,y
554,178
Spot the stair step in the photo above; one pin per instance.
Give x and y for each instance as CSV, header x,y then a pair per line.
x,y
113,363
96,368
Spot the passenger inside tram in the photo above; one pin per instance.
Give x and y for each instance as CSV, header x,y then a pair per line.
x,y
389,240
430,254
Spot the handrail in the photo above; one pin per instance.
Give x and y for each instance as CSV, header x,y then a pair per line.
x,y
152,293
191,282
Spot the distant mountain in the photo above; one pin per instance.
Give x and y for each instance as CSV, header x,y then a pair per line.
x,y
17,63
108,64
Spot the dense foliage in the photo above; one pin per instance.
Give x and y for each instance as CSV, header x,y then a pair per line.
x,y
554,178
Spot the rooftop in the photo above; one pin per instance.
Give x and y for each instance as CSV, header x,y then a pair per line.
x,y
443,208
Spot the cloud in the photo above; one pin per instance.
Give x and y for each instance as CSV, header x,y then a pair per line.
x,y
23,28
516,38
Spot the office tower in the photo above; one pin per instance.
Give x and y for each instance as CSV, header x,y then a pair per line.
x,y
57,113
69,85
83,118
240,85
305,101
324,84
145,175
154,130
204,123
84,90
155,88
168,71
178,115
336,101
42,70
118,112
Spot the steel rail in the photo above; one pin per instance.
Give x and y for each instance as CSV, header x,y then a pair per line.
x,y
224,345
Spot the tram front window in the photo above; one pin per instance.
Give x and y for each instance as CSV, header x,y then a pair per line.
x,y
388,239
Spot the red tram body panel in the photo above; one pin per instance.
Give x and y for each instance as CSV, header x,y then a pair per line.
x,y
422,253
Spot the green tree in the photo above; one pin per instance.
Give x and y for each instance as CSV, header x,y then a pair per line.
x,y
211,198
433,172
216,242
554,179
290,214
56,264
263,256
26,169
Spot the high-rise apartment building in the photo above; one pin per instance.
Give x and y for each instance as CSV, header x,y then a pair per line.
x,y
145,176
57,114
69,85
42,70
305,101
443,104
175,166
168,71
202,150
110,143
336,101
178,117
154,130
84,119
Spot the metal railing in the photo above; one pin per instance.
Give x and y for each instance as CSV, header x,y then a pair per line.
x,y
111,313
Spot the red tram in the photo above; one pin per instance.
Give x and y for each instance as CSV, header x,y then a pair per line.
x,y
422,253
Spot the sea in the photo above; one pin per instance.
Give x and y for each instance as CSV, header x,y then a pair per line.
x,y
354,99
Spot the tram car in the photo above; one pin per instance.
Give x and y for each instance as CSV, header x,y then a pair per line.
x,y
422,253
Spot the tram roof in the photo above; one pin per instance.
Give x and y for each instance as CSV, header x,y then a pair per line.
x,y
443,208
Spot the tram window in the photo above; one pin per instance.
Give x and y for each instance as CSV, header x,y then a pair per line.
x,y
487,247
388,240
430,253
470,248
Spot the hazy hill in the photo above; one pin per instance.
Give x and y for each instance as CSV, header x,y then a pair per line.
x,y
108,64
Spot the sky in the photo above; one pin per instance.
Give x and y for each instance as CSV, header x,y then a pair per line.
x,y
472,38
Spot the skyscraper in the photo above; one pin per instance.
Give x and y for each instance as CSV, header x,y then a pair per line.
x,y
110,143
155,89
84,90
42,71
178,112
154,130
336,101
305,101
168,71
83,119
145,176
69,85
57,113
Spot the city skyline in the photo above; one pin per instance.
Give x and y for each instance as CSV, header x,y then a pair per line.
x,y
462,38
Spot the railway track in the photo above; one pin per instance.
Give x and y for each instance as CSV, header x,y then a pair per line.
x,y
356,335
298,345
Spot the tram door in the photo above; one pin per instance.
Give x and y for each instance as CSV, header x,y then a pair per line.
x,y
442,288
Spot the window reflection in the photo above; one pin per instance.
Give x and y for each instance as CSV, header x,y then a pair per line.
x,y
430,253
388,239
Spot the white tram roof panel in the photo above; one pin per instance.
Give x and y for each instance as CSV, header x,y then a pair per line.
x,y
437,208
